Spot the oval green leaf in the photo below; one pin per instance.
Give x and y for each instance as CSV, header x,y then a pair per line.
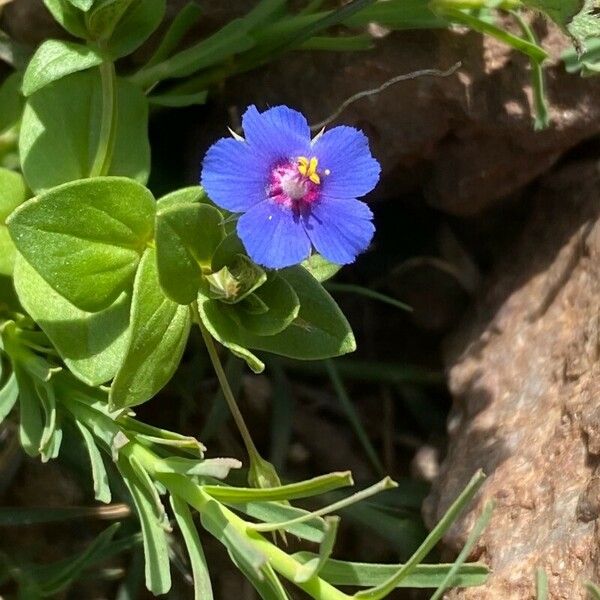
x,y
85,238
60,132
92,345
159,332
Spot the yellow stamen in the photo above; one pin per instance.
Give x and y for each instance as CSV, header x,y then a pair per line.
x,y
308,168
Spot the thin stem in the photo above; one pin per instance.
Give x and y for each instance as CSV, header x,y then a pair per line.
x,y
224,383
108,125
283,563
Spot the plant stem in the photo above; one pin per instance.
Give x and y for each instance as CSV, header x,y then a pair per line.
x,y
283,563
227,392
106,140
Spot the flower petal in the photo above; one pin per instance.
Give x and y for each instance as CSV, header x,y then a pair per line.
x,y
340,229
234,177
273,236
277,133
345,152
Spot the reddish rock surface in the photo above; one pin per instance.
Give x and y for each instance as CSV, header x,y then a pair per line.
x,y
525,376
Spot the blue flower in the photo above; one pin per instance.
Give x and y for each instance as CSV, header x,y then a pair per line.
x,y
295,192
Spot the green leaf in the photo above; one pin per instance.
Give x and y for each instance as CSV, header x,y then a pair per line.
x,y
187,18
159,332
83,5
52,434
246,556
383,589
342,573
585,24
101,21
202,586
11,101
60,132
85,238
8,396
293,491
313,566
93,345
320,268
178,100
279,306
232,39
156,551
319,331
186,238
217,468
560,11
54,578
182,197
311,529
101,488
68,16
234,281
13,193
125,24
31,424
56,59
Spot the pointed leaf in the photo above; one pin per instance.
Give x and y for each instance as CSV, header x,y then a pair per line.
x,y
186,238
101,488
56,59
60,132
159,332
93,345
202,585
13,192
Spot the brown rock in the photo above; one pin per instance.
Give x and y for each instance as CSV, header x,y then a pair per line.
x,y
526,380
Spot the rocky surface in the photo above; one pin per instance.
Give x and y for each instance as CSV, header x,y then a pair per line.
x,y
525,375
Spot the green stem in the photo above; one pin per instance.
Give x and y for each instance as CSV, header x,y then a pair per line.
x,y
538,79
108,125
227,392
457,16
283,563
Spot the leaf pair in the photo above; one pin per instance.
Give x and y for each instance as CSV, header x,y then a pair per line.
x,y
120,26
88,277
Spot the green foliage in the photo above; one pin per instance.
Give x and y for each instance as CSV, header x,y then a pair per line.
x,y
11,101
159,332
110,283
86,238
187,235
123,25
92,345
13,193
61,131
56,59
68,15
560,11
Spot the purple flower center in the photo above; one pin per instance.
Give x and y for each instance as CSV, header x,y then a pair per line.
x,y
295,184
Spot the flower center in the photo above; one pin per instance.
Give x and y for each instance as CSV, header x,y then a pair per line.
x,y
295,183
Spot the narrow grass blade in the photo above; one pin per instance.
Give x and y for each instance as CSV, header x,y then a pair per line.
x,y
593,590
367,293
353,416
381,591
343,573
384,484
541,585
202,585
475,534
